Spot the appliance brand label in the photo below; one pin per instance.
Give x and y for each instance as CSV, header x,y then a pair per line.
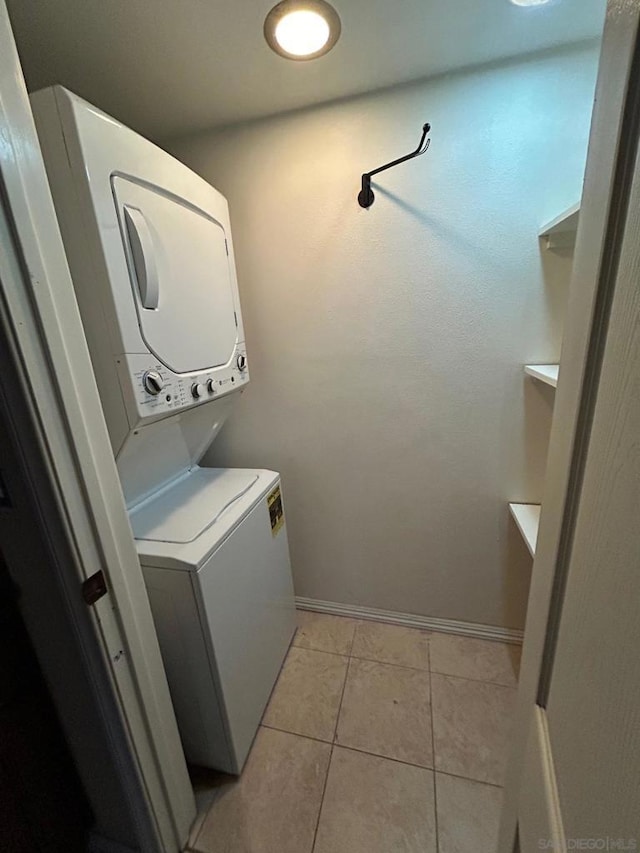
x,y
276,511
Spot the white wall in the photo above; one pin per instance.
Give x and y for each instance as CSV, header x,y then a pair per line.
x,y
386,345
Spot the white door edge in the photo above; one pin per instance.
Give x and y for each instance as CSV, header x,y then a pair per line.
x,y
608,147
41,317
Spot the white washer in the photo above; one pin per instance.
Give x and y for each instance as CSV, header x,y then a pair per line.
x,y
222,601
151,256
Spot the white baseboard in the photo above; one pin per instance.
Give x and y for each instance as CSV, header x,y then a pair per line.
x,y
410,620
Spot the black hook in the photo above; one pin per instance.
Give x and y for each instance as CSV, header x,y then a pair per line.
x,y
366,196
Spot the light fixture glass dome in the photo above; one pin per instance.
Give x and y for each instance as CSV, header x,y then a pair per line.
x,y
302,29
302,32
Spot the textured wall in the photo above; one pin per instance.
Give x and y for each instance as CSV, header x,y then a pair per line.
x,y
386,345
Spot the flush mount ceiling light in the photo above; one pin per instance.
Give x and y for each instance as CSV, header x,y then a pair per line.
x,y
529,2
302,29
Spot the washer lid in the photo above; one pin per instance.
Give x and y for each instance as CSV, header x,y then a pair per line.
x,y
205,498
180,276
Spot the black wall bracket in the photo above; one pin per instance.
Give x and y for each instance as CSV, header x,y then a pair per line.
x,y
366,196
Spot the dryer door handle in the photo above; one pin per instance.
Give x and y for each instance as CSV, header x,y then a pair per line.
x,y
144,260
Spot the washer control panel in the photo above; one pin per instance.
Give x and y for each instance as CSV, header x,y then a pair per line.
x,y
157,391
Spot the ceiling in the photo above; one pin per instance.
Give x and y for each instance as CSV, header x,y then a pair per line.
x,y
167,67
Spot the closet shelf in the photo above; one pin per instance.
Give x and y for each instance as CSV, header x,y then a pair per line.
x,y
547,373
561,231
527,518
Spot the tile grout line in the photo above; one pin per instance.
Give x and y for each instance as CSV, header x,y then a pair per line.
x,y
319,651
469,779
335,731
353,639
413,668
296,734
433,751
389,758
385,757
388,663
344,687
324,790
477,680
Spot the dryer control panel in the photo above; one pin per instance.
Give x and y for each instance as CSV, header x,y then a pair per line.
x,y
152,391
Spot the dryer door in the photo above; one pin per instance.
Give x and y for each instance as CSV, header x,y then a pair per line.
x,y
180,276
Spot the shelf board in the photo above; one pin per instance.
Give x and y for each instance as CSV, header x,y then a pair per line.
x,y
561,231
547,373
527,518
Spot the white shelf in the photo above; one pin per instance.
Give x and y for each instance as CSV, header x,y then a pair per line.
x,y
527,518
547,373
561,231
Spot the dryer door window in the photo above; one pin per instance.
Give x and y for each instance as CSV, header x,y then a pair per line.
x,y
180,276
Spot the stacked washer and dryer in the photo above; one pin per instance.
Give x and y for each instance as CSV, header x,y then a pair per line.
x,y
151,256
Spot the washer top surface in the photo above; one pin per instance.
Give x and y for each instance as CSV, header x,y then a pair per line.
x,y
182,525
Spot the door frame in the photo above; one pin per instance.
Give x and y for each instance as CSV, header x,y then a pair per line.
x,y
610,157
53,409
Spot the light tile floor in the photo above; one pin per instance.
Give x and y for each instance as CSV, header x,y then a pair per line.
x,y
377,739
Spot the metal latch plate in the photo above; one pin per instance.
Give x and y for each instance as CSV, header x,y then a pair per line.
x,y
94,587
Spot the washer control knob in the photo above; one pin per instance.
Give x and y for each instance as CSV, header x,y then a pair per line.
x,y
152,382
211,386
197,390
241,361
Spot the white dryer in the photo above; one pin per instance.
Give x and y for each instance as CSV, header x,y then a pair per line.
x,y
151,256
